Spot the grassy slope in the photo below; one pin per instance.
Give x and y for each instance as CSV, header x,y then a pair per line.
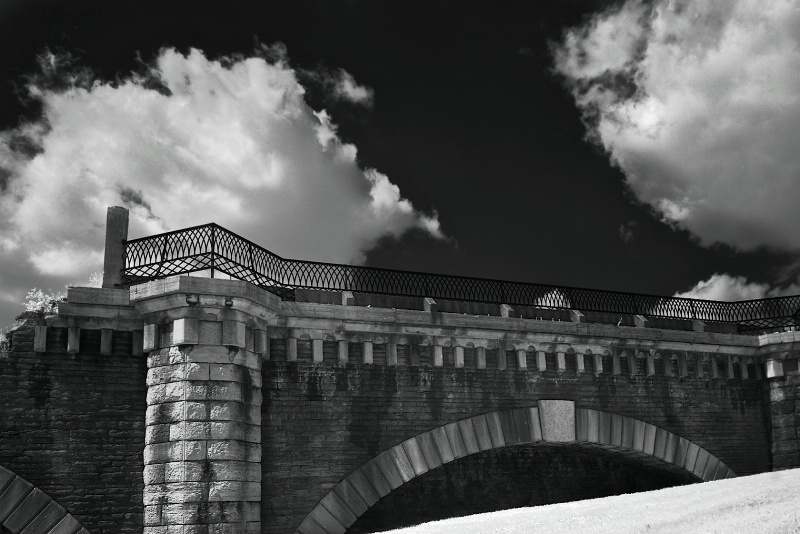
x,y
765,503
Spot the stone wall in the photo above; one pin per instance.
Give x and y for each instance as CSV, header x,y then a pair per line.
x,y
73,424
321,422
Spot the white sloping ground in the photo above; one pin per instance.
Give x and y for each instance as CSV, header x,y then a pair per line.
x,y
765,503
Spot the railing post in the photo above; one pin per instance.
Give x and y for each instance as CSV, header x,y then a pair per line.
x,y
163,254
213,248
253,276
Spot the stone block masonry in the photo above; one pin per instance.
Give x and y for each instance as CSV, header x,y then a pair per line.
x,y
202,450
202,453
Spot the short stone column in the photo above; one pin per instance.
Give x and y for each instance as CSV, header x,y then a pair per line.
x,y
458,356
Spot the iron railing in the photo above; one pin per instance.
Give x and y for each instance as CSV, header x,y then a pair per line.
x,y
211,247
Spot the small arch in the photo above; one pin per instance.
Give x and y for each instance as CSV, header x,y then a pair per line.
x,y
25,506
550,421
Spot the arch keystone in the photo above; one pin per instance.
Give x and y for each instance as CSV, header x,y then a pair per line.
x,y
558,420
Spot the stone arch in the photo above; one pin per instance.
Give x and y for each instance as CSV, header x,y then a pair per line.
x,y
25,509
550,421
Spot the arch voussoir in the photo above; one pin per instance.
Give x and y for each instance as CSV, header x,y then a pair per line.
x,y
629,434
550,421
25,509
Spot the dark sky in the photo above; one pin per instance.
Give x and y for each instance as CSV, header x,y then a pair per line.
x,y
469,119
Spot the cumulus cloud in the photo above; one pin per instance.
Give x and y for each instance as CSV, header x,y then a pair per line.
x,y
194,140
732,288
699,104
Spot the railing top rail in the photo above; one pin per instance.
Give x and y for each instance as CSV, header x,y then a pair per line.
x,y
145,259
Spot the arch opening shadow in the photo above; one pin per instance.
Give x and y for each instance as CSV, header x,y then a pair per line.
x,y
515,476
553,422
25,509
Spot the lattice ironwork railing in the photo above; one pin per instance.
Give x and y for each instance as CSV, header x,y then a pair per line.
x,y
211,247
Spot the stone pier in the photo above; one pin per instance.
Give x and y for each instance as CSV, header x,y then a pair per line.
x,y
204,341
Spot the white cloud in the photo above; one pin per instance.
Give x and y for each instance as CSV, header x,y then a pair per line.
x,y
732,288
229,141
726,287
699,104
346,88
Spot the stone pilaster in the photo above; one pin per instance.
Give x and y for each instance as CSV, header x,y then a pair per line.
x,y
203,424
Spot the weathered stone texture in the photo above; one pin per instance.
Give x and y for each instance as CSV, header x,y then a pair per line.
x,y
73,424
783,395
202,455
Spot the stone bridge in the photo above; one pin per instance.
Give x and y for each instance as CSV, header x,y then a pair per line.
x,y
204,405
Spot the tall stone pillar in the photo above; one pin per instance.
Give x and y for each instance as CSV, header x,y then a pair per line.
x,y
202,451
116,234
